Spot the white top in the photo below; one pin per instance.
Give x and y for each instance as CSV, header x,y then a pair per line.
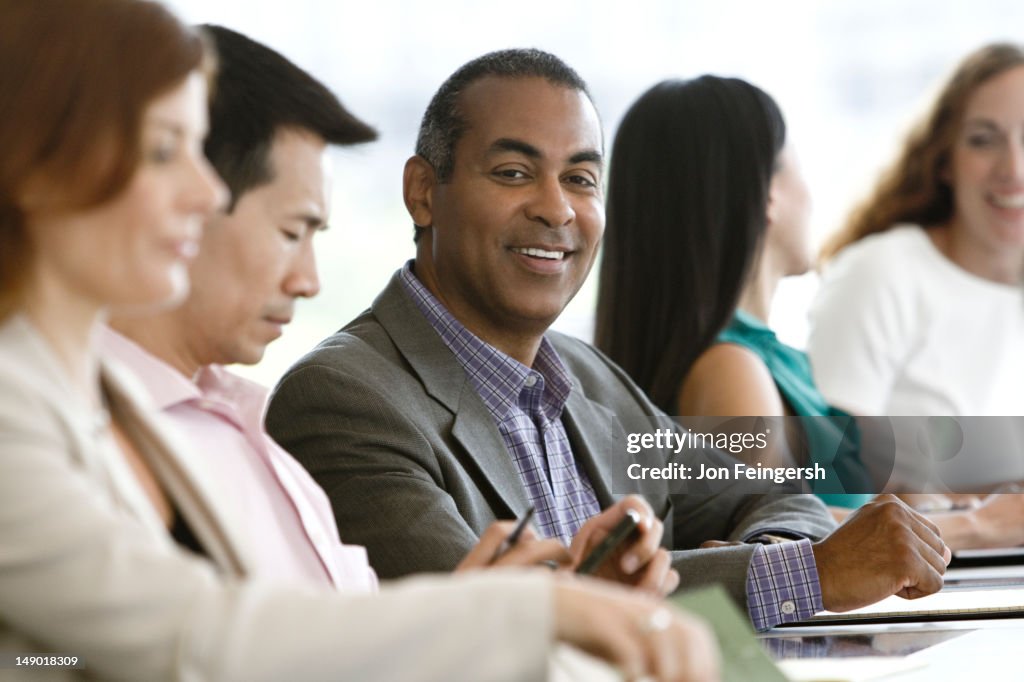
x,y
898,329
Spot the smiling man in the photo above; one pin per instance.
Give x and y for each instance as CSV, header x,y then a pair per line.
x,y
270,127
449,403
521,211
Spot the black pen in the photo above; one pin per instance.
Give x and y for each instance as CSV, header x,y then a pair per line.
x,y
513,537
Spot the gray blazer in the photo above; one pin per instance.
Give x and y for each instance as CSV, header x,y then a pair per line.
x,y
385,419
87,567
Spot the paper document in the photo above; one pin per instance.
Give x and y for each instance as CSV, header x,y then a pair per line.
x,y
988,555
943,605
847,669
985,573
743,658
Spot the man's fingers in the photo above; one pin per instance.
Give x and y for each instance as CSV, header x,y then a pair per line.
x,y
654,573
920,571
637,504
927,533
671,582
926,522
930,584
535,552
646,545
489,542
936,560
527,551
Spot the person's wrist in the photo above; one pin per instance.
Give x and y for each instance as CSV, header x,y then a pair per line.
x,y
823,565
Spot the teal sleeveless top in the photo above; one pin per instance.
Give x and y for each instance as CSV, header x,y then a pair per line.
x,y
832,437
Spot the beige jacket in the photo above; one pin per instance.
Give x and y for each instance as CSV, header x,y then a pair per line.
x,y
87,567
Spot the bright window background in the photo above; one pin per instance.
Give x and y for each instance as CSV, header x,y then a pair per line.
x,y
848,74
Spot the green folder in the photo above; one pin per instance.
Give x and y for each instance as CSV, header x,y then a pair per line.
x,y
743,658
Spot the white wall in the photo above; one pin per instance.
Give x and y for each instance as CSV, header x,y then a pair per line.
x,y
848,74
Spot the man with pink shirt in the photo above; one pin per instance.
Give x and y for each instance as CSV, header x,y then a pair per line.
x,y
270,127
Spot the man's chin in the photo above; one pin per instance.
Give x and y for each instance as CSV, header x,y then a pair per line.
x,y
250,354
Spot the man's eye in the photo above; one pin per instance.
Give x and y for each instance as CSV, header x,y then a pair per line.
x,y
291,236
510,174
583,180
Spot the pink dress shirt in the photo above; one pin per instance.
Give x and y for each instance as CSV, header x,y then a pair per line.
x,y
295,537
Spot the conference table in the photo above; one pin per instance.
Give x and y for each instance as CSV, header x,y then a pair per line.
x,y
963,644
963,650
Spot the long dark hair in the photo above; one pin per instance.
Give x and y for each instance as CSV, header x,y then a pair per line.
x,y
691,168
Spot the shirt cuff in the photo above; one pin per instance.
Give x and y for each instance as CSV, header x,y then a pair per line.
x,y
782,584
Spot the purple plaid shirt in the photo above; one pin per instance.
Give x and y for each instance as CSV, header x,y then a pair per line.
x,y
526,404
782,584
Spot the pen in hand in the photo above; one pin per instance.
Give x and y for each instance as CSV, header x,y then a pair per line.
x,y
513,537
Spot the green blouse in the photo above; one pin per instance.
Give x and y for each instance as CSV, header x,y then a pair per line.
x,y
831,435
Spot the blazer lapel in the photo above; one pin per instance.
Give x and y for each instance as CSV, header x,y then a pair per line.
x,y
596,439
445,380
476,431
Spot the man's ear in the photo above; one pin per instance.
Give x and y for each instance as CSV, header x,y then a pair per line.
x,y
418,181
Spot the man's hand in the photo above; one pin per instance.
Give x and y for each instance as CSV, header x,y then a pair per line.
x,y
883,548
528,550
643,562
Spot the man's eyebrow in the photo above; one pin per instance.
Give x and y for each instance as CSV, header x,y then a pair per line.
x,y
591,156
312,221
508,144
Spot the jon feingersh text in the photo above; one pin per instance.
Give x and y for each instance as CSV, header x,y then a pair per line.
x,y
731,442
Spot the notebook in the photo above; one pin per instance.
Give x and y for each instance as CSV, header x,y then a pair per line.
x,y
943,605
743,658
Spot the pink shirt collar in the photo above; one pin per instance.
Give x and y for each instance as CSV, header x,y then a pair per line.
x,y
196,408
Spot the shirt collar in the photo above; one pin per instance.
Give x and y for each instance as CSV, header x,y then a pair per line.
x,y
745,321
166,385
248,398
499,378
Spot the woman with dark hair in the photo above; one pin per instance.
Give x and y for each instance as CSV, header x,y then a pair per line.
x,y
118,555
920,310
658,196
696,252
707,212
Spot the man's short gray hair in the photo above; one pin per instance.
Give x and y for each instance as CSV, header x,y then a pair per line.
x,y
443,124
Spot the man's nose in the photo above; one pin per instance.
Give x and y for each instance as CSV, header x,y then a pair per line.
x,y
303,279
550,204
